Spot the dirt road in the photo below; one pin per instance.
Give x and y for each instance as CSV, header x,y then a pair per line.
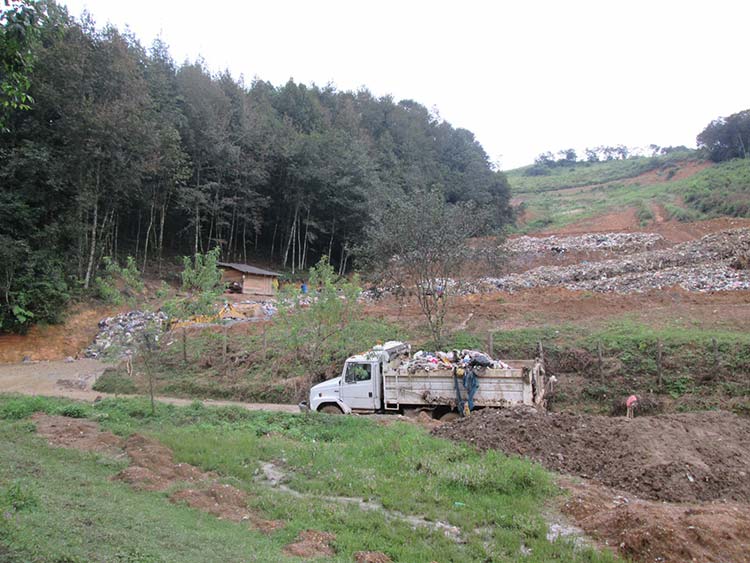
x,y
73,380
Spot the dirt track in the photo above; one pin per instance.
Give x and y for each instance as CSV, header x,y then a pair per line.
x,y
73,380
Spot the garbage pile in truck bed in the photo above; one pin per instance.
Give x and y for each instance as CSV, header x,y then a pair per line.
x,y
432,361
707,264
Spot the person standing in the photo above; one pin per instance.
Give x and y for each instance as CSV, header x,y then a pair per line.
x,y
631,403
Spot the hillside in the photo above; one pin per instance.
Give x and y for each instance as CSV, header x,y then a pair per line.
x,y
630,194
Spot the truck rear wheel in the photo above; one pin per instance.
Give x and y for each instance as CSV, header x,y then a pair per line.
x,y
449,417
331,409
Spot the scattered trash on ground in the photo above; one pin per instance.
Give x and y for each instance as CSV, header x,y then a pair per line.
x,y
119,335
706,264
621,242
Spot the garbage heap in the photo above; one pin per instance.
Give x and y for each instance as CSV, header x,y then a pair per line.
x,y
121,335
707,264
715,262
432,361
463,364
598,242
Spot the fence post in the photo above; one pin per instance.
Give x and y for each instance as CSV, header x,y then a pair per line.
x,y
225,345
265,341
659,361
600,359
491,345
184,345
540,348
717,360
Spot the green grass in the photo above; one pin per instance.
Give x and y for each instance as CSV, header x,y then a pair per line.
x,y
723,189
62,505
689,359
246,372
720,190
587,174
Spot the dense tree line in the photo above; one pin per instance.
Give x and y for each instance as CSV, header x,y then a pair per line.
x,y
124,152
727,137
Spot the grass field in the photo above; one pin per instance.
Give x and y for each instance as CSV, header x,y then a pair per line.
x,y
589,173
562,197
61,506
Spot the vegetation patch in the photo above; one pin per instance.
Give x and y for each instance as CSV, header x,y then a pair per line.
x,y
625,357
398,464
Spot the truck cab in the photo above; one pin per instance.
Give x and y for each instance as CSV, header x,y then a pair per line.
x,y
359,388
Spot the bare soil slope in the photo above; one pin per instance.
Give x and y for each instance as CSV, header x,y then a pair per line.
x,y
669,488
679,457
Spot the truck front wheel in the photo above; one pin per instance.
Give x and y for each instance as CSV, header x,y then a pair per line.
x,y
330,409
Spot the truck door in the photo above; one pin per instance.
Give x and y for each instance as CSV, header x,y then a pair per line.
x,y
358,388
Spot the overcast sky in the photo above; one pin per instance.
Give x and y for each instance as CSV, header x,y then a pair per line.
x,y
524,76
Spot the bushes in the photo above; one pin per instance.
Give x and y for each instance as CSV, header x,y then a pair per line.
x,y
721,190
112,381
118,284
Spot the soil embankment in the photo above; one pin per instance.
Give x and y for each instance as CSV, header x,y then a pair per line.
x,y
669,488
679,457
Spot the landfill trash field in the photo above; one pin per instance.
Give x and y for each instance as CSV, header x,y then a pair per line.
x,y
706,264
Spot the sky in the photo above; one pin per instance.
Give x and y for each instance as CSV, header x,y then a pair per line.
x,y
524,76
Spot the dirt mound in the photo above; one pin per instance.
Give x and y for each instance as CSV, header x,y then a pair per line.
x,y
311,543
54,342
223,501
153,469
75,433
371,557
660,531
155,463
679,457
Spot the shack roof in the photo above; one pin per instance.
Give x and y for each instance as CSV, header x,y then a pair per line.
x,y
247,269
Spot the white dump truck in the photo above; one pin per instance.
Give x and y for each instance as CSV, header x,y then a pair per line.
x,y
386,379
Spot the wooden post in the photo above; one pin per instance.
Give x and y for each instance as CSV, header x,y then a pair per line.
x,y
600,359
659,351
184,345
265,341
491,345
717,362
225,345
540,350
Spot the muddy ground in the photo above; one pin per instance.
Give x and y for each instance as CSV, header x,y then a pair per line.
x,y
73,380
656,488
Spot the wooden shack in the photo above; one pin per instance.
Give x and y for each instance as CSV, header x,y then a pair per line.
x,y
250,279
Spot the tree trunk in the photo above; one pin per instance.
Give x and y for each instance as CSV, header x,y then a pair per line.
x,y
148,234
92,246
244,240
138,236
290,241
330,243
273,238
303,262
230,244
161,231
197,227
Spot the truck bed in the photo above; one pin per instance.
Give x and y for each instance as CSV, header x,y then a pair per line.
x,y
497,387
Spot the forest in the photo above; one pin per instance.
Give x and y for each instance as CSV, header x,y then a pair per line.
x,y
112,149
